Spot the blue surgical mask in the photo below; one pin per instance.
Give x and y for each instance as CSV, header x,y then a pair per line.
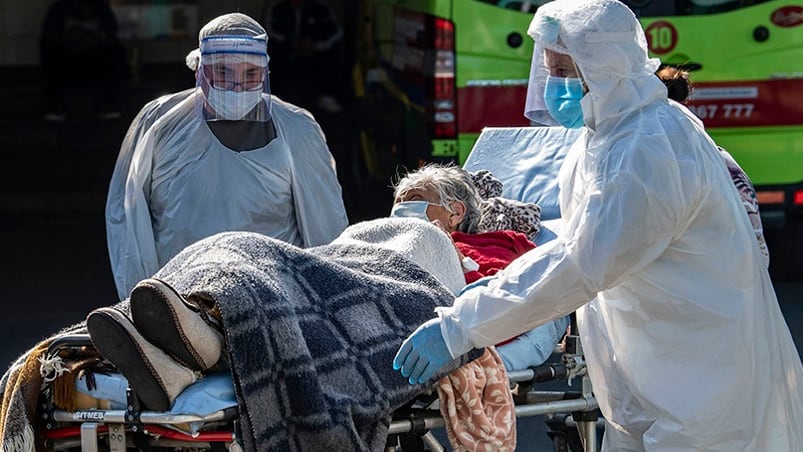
x,y
562,97
411,209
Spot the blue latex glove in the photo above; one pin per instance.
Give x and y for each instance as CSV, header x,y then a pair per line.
x,y
482,282
422,353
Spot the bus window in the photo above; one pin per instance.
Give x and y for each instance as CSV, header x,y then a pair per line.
x,y
646,8
523,6
662,8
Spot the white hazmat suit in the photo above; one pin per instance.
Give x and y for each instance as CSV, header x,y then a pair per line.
x,y
685,342
176,181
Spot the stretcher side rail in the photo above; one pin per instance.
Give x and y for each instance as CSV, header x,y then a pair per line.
x,y
573,416
133,427
87,429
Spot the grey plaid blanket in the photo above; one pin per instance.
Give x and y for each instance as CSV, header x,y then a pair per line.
x,y
311,334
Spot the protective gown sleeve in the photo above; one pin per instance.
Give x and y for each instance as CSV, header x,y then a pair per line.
x,y
320,212
534,347
116,229
623,217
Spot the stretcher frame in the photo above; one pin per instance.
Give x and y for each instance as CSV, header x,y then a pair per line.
x,y
117,430
573,416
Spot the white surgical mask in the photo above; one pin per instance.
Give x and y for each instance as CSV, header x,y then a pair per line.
x,y
233,105
411,209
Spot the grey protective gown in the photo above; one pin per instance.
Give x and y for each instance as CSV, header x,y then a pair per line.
x,y
176,183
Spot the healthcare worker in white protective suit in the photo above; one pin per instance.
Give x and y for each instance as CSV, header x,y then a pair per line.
x,y
224,156
685,342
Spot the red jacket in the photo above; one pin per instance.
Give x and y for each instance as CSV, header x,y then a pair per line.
x,y
493,251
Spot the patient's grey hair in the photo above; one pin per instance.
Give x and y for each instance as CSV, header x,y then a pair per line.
x,y
451,183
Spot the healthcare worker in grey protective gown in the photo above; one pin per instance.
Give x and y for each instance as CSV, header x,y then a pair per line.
x,y
685,342
224,156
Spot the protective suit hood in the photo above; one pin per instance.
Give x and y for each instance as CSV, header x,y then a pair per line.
x,y
657,256
606,42
232,24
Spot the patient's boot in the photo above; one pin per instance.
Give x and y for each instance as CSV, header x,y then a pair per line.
x,y
169,321
156,378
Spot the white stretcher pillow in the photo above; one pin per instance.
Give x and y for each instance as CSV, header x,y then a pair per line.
x,y
527,161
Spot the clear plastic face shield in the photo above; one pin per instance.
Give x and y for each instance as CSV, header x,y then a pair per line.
x,y
601,38
233,77
555,86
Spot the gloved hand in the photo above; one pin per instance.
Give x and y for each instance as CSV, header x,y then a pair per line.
x,y
422,353
478,283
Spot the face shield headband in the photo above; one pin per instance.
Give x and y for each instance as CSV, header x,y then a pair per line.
x,y
233,77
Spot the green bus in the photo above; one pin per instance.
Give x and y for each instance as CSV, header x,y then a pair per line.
x,y
430,74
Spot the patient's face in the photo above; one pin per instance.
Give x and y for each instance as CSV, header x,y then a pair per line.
x,y
434,211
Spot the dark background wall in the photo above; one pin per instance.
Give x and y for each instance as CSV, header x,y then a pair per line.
x,y
54,175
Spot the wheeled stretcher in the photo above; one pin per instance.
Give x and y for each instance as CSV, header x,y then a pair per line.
x,y
527,161
573,415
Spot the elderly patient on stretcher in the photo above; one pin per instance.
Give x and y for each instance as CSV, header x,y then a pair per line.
x,y
307,336
309,333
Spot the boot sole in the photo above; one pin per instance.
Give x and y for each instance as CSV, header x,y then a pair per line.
x,y
157,321
115,344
